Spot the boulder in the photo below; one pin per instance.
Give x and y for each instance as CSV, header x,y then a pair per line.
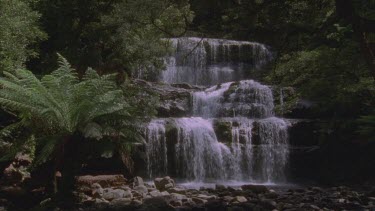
x,y
241,199
97,190
178,197
137,181
177,190
110,194
220,187
269,204
165,193
165,183
228,198
141,189
104,180
155,193
255,188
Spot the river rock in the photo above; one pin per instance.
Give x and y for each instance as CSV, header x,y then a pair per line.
x,y
136,202
121,202
269,204
176,203
141,189
220,187
97,190
228,198
271,194
241,199
255,188
155,193
104,180
205,197
165,183
199,200
110,194
177,190
178,197
137,181
165,193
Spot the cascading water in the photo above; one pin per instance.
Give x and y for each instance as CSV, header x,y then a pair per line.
x,y
233,134
202,61
156,148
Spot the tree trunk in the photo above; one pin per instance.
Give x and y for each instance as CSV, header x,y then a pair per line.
x,y
64,172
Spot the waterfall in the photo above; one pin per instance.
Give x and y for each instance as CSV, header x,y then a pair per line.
x,y
232,133
198,153
203,61
156,148
246,98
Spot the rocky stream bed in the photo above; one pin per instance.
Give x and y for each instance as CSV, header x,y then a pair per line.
x,y
116,193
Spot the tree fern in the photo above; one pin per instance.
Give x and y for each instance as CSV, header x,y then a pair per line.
x,y
60,105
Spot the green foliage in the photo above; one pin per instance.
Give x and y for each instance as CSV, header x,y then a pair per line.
x,y
60,105
367,126
140,27
336,78
19,32
111,35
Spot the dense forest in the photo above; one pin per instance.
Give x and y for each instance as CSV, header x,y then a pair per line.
x,y
79,80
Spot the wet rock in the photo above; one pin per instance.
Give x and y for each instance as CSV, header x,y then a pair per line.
x,y
241,199
97,190
113,194
136,202
121,202
165,193
128,194
177,190
199,200
314,207
125,188
271,194
104,180
155,193
269,204
228,198
141,189
165,183
176,203
255,188
178,197
223,130
137,181
220,187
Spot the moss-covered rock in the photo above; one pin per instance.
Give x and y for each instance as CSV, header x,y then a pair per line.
x,y
223,130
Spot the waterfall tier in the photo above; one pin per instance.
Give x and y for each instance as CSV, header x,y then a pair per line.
x,y
244,98
228,131
202,61
218,149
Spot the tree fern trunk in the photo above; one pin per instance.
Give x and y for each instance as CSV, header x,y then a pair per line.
x,y
64,172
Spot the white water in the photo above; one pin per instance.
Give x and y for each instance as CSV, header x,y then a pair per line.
x,y
203,61
156,148
233,136
247,98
